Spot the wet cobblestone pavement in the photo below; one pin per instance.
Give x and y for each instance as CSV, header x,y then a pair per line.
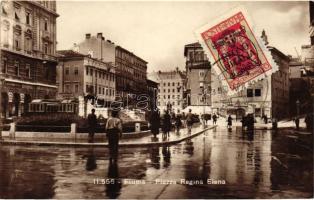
x,y
263,165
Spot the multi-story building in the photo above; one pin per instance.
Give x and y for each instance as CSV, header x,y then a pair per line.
x,y
280,85
171,90
130,69
28,54
198,74
131,74
152,91
269,96
302,74
80,75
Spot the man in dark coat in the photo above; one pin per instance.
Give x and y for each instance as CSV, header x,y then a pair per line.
x,y
166,124
92,123
155,123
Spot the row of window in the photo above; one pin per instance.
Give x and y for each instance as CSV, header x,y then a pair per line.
x,y
129,58
165,103
169,84
100,90
26,18
196,56
173,96
169,90
24,70
16,67
252,93
97,73
137,73
17,39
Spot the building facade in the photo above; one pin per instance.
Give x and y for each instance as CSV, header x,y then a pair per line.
x,y
302,74
269,96
131,75
198,76
171,90
130,69
280,85
28,54
152,91
79,75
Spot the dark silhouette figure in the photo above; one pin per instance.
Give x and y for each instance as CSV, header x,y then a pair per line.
x,y
265,119
114,187
183,117
114,132
91,164
92,124
274,123
214,119
178,123
297,123
189,120
166,124
229,125
155,123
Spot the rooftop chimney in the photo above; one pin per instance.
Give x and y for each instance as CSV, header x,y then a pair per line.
x,y
99,35
87,35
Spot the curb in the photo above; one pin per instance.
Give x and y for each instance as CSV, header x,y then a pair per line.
x,y
73,144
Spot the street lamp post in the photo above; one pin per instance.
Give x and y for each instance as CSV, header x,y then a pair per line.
x,y
202,87
1,86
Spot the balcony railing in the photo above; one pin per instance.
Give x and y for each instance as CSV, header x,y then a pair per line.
x,y
33,54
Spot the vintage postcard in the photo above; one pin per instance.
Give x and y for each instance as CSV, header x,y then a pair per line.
x,y
120,99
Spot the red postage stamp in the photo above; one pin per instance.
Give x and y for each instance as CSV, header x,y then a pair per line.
x,y
235,51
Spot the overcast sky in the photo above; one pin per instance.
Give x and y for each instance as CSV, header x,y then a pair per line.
x,y
158,31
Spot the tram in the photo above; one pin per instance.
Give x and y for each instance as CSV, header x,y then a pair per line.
x,y
53,106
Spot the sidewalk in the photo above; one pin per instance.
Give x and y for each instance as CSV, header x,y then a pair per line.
x,y
174,138
221,121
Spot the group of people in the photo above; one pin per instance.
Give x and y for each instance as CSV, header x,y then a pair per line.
x,y
167,121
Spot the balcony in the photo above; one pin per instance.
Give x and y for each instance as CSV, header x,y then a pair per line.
x,y
31,54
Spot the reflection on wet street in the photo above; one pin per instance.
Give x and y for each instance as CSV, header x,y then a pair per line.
x,y
220,163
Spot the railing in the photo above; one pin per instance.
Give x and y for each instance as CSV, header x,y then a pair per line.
x,y
33,54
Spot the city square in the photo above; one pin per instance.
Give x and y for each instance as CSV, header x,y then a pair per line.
x,y
156,100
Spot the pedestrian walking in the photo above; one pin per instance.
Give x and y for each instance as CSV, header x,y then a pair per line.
x,y
92,124
214,118
189,120
274,123
114,132
166,124
297,122
178,123
183,117
155,123
229,125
